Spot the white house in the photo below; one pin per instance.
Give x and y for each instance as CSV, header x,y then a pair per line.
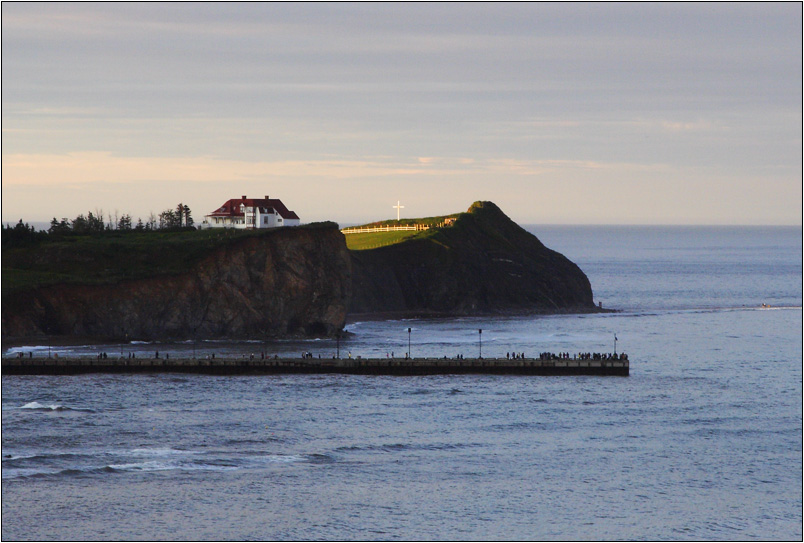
x,y
251,213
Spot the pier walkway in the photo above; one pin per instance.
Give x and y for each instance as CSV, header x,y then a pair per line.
x,y
364,366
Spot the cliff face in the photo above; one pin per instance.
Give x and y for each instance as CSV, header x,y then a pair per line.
x,y
484,263
291,282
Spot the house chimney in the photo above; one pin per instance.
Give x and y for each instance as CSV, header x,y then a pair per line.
x,y
243,197
267,197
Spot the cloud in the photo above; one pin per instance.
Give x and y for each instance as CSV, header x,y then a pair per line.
x,y
92,167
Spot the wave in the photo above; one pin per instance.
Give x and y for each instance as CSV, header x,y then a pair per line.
x,y
654,311
24,473
317,458
60,349
143,460
48,456
161,451
27,348
253,441
400,447
130,467
281,458
36,406
39,406
312,458
155,465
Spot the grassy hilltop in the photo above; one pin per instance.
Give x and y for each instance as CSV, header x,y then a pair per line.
x,y
374,240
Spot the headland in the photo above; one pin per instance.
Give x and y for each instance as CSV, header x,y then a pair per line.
x,y
290,282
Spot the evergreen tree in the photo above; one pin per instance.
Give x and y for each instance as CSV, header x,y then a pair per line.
x,y
188,219
59,227
79,224
169,219
21,234
95,222
179,213
124,223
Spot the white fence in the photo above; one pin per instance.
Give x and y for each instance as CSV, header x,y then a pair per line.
x,y
367,229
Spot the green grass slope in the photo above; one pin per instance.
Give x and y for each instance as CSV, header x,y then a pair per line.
x,y
115,256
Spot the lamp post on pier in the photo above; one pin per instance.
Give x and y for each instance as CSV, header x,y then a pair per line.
x,y
338,344
615,343
409,353
480,342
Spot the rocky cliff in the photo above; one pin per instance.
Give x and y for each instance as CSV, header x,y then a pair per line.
x,y
285,282
280,283
483,263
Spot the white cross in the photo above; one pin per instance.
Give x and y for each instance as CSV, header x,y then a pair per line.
x,y
398,207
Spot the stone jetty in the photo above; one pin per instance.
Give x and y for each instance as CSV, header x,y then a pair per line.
x,y
358,366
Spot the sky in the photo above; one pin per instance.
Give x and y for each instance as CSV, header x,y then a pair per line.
x,y
602,113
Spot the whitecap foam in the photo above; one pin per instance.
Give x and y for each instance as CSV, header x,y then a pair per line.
x,y
26,349
38,349
155,465
37,405
12,457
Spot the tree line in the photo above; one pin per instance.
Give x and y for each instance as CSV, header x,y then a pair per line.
x,y
22,234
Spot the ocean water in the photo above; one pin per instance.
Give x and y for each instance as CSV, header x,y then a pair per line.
x,y
702,441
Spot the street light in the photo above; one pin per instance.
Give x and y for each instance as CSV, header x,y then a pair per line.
x,y
338,343
409,354
480,342
615,343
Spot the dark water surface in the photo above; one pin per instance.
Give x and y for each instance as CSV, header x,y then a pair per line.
x,y
702,441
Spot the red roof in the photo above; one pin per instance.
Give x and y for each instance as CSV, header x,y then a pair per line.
x,y
267,205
